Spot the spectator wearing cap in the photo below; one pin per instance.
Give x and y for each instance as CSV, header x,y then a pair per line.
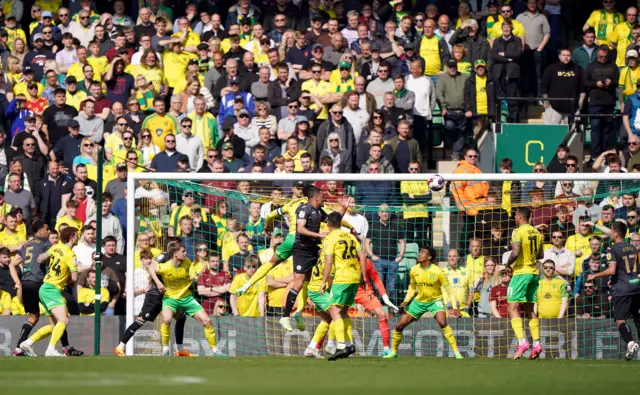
x,y
167,160
74,96
480,104
10,23
68,147
356,116
505,71
190,144
475,44
235,100
229,136
450,94
18,197
305,138
233,164
28,78
91,125
563,79
17,113
117,187
31,131
315,58
246,131
282,90
628,74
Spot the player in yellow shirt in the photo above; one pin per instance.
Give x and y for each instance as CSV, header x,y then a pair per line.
x,y
526,249
604,22
553,297
160,124
253,302
10,236
427,283
177,295
343,250
62,271
86,296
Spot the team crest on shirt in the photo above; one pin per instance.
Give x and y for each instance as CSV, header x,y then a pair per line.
x,y
302,214
159,132
608,256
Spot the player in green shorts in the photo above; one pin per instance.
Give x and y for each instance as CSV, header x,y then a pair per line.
x,y
322,302
177,295
427,282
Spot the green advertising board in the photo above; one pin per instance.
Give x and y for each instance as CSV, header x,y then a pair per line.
x,y
527,144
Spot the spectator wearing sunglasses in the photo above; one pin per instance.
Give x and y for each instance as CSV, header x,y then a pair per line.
x,y
563,259
592,303
553,295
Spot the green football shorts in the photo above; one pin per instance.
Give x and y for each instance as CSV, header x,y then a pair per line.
x,y
418,309
322,301
344,294
285,250
189,305
523,288
50,298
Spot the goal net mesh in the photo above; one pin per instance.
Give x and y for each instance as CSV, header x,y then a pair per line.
x,y
223,222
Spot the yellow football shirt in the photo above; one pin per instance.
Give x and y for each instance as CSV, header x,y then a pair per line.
x,y
603,23
62,264
5,302
474,268
72,222
319,89
21,88
175,67
11,239
176,279
87,296
160,126
192,40
550,295
530,243
482,106
288,209
415,188
275,296
155,75
75,70
628,80
137,262
76,99
344,248
248,303
100,66
430,52
621,38
580,243
428,283
459,283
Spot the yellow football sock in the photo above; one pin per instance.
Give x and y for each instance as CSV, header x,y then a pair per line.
x,y
41,333
57,332
516,324
448,334
165,333
395,341
261,273
209,333
340,330
332,331
534,327
320,332
302,297
348,329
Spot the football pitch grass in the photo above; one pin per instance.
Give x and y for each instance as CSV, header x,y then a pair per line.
x,y
274,375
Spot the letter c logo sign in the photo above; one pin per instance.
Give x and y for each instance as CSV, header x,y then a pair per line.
x,y
527,148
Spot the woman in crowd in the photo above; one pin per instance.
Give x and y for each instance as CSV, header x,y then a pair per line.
x,y
548,187
146,146
337,153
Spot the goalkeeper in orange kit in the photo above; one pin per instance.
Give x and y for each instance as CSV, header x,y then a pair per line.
x,y
371,303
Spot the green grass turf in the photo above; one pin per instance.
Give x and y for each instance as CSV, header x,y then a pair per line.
x,y
272,375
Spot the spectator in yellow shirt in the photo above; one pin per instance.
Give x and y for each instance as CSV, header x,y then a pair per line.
x,y
10,237
294,152
252,303
86,296
553,297
69,218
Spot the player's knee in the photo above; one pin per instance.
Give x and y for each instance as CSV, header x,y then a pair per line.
x,y
380,314
64,320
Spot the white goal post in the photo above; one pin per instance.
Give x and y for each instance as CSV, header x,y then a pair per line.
x,y
446,227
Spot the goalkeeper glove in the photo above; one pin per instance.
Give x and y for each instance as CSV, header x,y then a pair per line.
x,y
387,301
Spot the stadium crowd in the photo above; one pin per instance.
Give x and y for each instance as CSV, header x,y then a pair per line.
x,y
307,87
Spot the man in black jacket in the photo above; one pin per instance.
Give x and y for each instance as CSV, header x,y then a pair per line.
x,y
600,78
281,91
562,80
48,193
505,70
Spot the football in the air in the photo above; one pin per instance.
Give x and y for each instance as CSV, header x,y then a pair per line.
x,y
436,182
